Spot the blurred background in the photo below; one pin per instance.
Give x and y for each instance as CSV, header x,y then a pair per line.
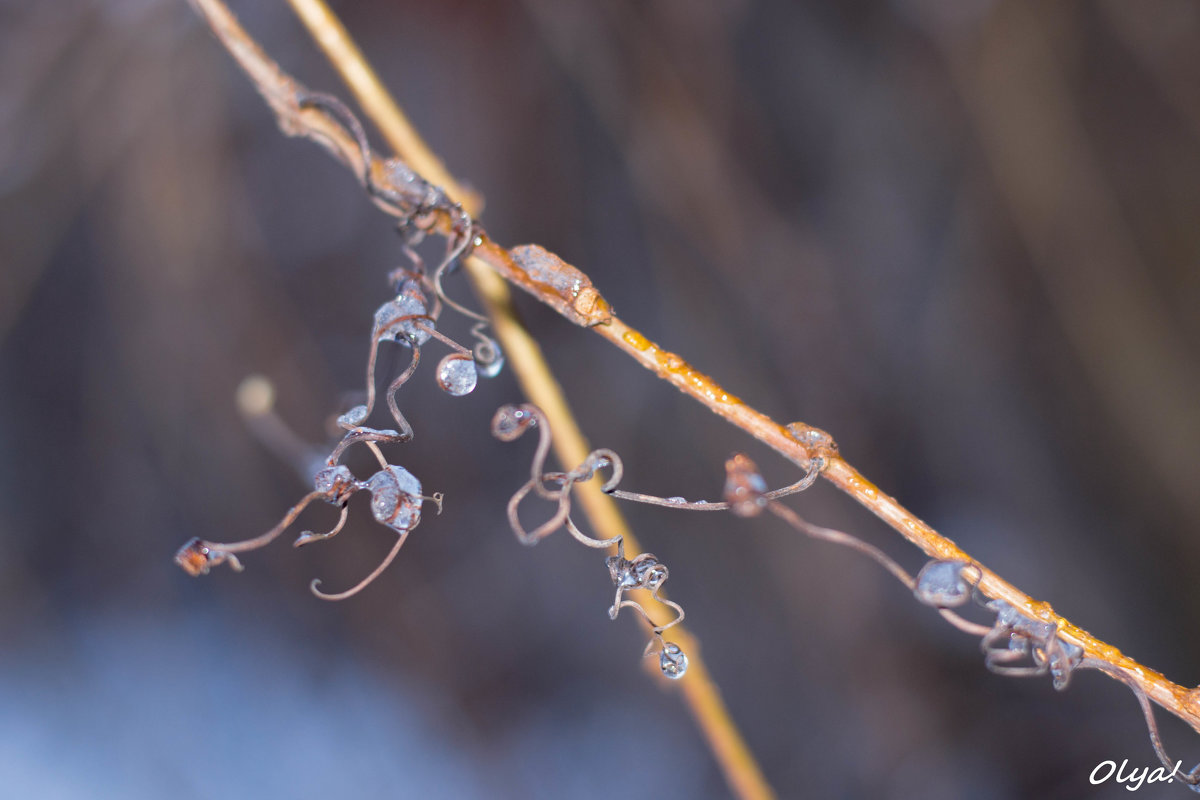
x,y
962,237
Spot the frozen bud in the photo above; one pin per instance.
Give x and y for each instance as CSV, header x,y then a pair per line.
x,y
672,661
395,498
197,558
193,557
941,584
456,375
745,489
511,421
816,441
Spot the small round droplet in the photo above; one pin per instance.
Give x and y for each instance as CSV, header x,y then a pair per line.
x,y
456,375
940,584
353,418
672,661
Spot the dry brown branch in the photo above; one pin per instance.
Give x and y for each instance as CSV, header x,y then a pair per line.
x,y
281,91
797,442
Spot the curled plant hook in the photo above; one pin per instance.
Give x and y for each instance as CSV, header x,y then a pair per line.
x,y
643,571
396,501
198,556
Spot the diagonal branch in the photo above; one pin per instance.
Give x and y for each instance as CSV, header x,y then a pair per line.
x,y
282,94
796,442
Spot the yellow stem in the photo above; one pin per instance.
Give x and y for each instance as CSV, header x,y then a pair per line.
x,y
533,373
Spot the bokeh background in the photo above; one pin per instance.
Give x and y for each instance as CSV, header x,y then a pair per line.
x,y
962,237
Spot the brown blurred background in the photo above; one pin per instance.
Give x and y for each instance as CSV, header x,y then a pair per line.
x,y
962,237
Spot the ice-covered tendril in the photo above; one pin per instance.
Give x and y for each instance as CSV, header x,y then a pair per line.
x,y
643,571
417,206
1019,645
396,500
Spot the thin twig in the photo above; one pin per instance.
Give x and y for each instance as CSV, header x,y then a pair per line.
x,y
701,694
792,444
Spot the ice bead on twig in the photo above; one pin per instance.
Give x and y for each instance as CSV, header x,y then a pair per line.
x,y
456,375
395,498
672,661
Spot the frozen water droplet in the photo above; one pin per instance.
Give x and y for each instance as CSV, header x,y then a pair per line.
x,y
390,320
353,418
744,487
672,661
337,483
676,501
395,498
941,584
510,422
456,375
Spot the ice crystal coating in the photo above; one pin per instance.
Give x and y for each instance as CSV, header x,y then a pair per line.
x,y
395,498
941,584
643,572
353,418
390,320
337,483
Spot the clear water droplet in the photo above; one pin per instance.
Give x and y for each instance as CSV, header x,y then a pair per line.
x,y
673,661
353,418
676,501
456,375
940,584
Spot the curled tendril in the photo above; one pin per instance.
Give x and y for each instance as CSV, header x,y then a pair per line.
x,y
643,571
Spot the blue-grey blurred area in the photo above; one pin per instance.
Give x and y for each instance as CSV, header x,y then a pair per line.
x,y
961,236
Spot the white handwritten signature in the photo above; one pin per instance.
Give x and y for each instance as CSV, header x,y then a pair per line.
x,y
1134,779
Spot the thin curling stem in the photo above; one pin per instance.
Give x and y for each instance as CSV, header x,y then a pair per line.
x,y
365,582
269,536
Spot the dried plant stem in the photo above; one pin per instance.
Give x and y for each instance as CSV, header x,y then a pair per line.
x,y
523,353
1184,703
